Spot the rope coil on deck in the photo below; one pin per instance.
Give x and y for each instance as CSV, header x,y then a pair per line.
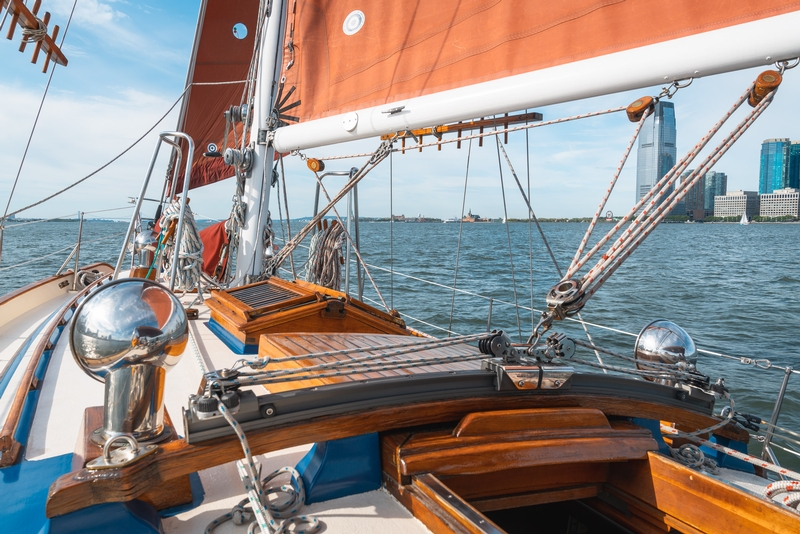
x,y
790,487
260,506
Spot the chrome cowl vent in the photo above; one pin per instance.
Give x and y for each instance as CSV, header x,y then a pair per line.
x,y
664,343
128,334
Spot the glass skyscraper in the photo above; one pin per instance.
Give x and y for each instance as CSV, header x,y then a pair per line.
x,y
715,184
657,152
793,178
774,165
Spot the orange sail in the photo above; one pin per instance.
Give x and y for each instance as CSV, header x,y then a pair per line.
x,y
408,49
218,56
371,68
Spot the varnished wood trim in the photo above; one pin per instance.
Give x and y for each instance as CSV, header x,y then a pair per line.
x,y
686,496
10,457
454,507
78,490
481,423
424,509
535,498
526,480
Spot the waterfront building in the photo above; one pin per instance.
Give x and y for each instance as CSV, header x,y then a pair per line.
x,y
774,165
695,198
781,202
657,152
793,177
715,184
734,203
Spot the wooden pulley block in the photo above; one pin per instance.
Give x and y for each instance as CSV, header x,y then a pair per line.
x,y
638,108
315,164
767,81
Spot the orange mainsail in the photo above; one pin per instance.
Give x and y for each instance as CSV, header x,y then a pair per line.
x,y
341,56
414,48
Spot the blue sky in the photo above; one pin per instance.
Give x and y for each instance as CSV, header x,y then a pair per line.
x,y
128,64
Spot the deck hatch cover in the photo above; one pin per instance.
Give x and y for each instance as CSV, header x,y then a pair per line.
x,y
263,295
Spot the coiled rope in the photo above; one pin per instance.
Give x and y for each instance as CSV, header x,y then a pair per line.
x,y
790,487
259,491
190,249
734,453
34,35
325,257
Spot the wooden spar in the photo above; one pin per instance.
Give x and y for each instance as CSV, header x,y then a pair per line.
x,y
27,19
458,127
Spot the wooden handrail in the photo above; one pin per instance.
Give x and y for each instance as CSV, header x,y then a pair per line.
x,y
9,447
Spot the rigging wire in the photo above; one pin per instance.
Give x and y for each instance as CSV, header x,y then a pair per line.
x,y
508,235
351,242
460,231
546,244
286,203
486,134
391,231
530,224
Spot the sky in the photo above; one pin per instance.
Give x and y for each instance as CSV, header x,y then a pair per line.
x,y
127,66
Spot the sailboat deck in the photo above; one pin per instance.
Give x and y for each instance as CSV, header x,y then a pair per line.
x,y
317,345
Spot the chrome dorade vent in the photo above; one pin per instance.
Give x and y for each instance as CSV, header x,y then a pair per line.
x,y
128,334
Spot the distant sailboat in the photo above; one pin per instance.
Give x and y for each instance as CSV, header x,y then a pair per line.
x,y
744,219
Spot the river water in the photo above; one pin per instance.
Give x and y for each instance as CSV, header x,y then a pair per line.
x,y
735,289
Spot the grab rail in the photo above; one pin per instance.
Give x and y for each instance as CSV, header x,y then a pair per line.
x,y
163,137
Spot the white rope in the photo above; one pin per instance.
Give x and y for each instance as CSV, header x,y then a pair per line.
x,y
190,248
264,510
34,35
790,487
325,257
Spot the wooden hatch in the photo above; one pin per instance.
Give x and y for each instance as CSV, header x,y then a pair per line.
x,y
281,306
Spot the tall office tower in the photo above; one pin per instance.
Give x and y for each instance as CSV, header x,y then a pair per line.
x,y
715,184
695,205
657,152
774,165
793,178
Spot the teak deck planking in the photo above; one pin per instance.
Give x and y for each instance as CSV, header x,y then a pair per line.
x,y
283,345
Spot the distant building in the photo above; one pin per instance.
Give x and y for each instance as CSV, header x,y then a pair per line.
x,y
657,152
775,155
735,203
793,178
715,184
781,202
695,198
